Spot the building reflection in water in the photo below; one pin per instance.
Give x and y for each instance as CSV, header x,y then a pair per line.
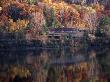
x,y
53,65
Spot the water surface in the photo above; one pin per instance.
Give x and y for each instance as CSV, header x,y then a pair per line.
x,y
54,65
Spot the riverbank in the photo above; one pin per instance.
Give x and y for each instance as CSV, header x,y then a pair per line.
x,y
22,44
10,41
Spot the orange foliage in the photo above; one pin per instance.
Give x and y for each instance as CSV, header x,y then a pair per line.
x,y
73,15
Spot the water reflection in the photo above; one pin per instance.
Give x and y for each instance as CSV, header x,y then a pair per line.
x,y
62,65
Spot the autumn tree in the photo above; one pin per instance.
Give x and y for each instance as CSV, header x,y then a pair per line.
x,y
103,27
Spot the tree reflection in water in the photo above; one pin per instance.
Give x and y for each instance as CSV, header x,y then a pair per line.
x,y
54,66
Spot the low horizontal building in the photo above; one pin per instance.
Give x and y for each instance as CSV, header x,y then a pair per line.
x,y
82,1
59,33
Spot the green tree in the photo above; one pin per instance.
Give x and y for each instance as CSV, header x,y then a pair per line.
x,y
104,21
103,27
32,1
50,17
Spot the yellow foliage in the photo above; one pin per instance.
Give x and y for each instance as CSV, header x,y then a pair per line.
x,y
22,23
18,70
98,7
47,1
73,11
16,26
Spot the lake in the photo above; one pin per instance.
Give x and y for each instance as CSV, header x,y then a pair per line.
x,y
55,65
